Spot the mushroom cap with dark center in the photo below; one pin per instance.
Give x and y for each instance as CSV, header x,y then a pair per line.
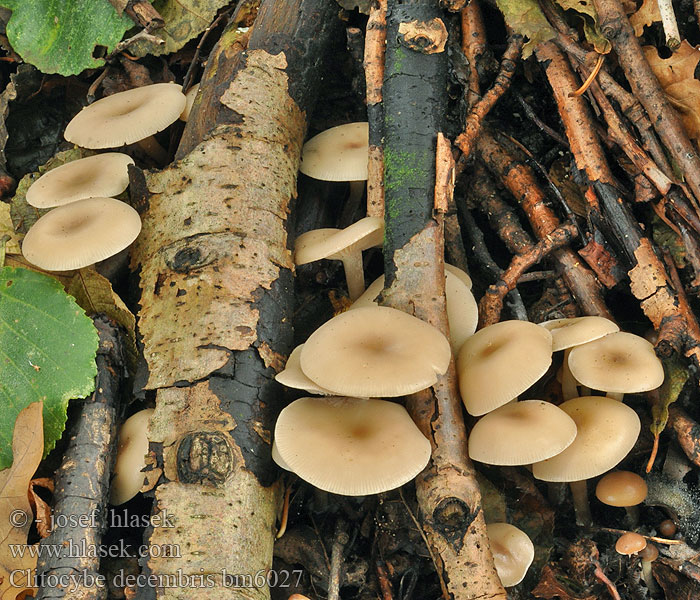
x,y
606,431
619,362
375,351
567,333
501,361
621,488
80,234
337,154
521,433
512,550
350,446
126,117
102,175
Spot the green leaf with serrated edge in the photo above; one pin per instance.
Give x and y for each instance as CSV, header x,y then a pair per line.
x,y
61,36
526,18
675,376
47,353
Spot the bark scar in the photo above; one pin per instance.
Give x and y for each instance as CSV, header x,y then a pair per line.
x,y
427,37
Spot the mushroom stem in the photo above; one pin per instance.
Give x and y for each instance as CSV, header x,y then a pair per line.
x,y
615,395
579,493
151,147
354,274
632,516
357,190
568,382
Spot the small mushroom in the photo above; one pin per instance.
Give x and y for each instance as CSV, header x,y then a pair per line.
x,y
619,363
501,361
648,555
375,351
102,175
131,450
128,117
339,154
630,543
623,489
521,433
606,431
512,550
345,245
80,234
350,446
292,376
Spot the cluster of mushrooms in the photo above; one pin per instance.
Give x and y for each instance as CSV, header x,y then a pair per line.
x,y
348,442
86,224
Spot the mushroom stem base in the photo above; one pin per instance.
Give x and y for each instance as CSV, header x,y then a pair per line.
x,y
579,492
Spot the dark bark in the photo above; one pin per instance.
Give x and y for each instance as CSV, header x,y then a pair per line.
x,y
82,481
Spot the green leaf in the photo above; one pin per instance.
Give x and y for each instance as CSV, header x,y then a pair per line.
x,y
526,18
60,36
47,353
587,12
675,376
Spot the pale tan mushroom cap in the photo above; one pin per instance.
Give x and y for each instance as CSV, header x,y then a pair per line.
x,y
277,458
567,333
337,154
521,433
619,362
126,117
375,351
512,550
607,431
621,488
351,446
462,310
101,175
459,273
294,377
80,234
336,243
189,102
501,361
131,450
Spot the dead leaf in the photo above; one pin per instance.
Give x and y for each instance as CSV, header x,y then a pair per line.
x,y
526,18
647,14
587,12
6,228
550,588
16,519
40,508
676,75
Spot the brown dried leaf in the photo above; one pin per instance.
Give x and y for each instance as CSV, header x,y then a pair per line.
x,y
27,448
647,14
40,508
550,588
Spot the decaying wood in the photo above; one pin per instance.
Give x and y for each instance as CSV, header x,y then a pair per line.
x,y
82,481
448,495
141,12
216,278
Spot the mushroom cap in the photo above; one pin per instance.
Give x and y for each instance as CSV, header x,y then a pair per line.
x,y
621,488
567,333
337,243
619,362
521,433
131,450
649,553
277,458
501,361
100,175
294,377
459,273
375,351
337,154
606,431
630,543
80,234
512,550
126,117
189,102
462,310
351,446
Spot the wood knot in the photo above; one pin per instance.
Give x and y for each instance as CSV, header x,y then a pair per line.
x,y
204,457
426,37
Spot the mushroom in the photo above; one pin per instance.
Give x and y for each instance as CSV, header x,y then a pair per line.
x,y
128,117
606,431
521,433
131,450
462,310
512,550
624,489
80,234
351,446
189,102
501,361
630,543
668,528
567,333
292,376
277,458
648,555
345,245
375,351
619,363
100,175
339,154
